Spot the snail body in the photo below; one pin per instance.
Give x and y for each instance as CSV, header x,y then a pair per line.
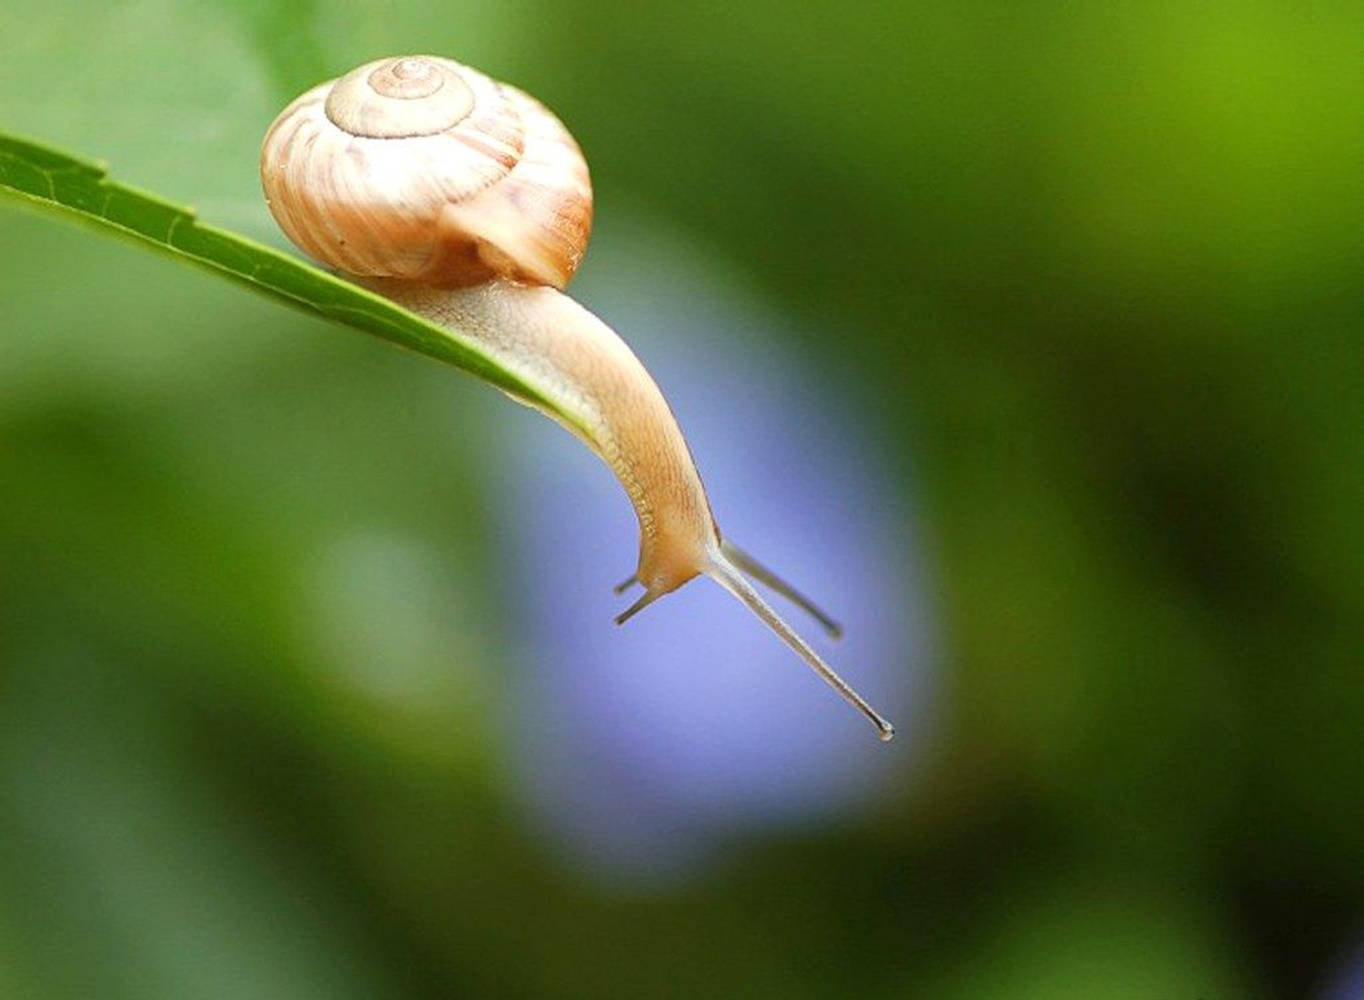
x,y
468,203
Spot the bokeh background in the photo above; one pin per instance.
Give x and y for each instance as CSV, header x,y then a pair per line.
x,y
1026,336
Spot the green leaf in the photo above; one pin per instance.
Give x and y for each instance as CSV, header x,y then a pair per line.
x,y
54,181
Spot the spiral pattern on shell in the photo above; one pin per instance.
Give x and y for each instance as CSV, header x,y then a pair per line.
x,y
417,167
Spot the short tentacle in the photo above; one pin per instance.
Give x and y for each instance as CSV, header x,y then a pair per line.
x,y
645,599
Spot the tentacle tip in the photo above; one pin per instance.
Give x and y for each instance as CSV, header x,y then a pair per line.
x,y
645,599
887,731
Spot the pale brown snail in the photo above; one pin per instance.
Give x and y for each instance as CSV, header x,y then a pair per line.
x,y
467,202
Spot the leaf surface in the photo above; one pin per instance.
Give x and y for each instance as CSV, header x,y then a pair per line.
x,y
53,181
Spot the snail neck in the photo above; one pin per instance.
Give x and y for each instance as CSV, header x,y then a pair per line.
x,y
583,368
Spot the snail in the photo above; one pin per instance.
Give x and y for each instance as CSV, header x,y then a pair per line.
x,y
468,203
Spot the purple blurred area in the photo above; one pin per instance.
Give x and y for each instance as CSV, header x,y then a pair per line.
x,y
643,748
1347,982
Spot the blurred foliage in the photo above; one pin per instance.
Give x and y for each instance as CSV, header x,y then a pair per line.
x,y
1093,270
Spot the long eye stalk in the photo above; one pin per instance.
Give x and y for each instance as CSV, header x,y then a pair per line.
x,y
727,567
727,575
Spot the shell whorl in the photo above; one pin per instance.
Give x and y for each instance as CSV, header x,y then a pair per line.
x,y
420,168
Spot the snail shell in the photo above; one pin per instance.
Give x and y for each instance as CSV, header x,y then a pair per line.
x,y
423,169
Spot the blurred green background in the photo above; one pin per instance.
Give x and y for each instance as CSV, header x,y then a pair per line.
x,y
1091,273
